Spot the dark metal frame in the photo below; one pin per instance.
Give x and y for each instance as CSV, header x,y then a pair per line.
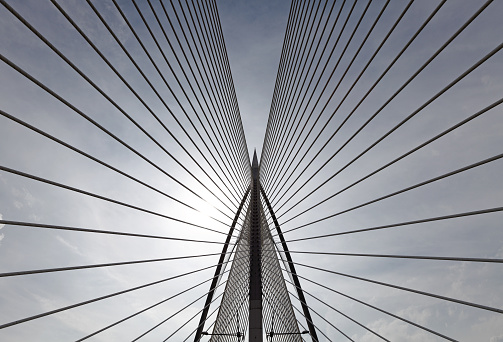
x,y
255,316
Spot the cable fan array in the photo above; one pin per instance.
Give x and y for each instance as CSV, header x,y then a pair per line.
x,y
128,198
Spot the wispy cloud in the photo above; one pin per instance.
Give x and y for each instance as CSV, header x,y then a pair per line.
x,y
496,338
23,197
70,246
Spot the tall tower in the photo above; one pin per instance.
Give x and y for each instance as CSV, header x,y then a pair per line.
x,y
255,293
255,327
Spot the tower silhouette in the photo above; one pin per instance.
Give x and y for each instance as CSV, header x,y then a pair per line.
x,y
256,287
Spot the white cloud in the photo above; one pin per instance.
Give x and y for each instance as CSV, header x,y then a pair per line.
x,y
23,198
496,338
74,248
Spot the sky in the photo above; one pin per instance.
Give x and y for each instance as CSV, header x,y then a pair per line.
x,y
254,33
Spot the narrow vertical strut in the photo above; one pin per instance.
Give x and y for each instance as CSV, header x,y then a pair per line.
x,y
218,270
300,293
255,326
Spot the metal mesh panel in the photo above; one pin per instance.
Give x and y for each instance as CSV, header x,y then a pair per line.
x,y
277,302
234,305
277,306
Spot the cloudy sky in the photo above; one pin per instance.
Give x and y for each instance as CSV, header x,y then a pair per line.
x,y
254,34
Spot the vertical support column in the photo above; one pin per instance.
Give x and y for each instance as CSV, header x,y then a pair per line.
x,y
255,323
